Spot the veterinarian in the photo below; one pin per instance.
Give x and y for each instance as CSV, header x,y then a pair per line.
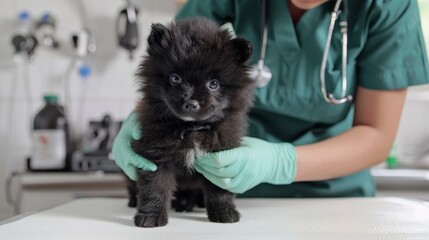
x,y
299,144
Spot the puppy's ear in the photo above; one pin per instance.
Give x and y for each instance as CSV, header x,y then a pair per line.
x,y
159,37
241,49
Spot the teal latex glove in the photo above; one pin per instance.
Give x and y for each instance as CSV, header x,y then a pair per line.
x,y
255,161
124,155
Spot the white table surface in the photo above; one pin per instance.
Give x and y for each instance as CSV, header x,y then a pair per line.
x,y
347,218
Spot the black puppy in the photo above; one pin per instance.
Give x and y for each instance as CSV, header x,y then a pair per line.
x,y
195,97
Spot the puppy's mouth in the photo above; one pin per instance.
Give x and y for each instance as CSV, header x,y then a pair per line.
x,y
197,116
203,114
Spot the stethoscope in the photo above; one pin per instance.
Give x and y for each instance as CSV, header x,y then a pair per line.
x,y
262,74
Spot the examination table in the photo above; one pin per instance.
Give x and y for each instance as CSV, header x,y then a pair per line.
x,y
347,218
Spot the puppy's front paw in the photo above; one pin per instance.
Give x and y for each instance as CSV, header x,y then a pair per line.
x,y
229,215
142,220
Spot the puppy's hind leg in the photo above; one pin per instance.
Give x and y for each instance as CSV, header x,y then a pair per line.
x,y
154,194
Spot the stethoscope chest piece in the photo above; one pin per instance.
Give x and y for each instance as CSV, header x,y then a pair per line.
x,y
261,74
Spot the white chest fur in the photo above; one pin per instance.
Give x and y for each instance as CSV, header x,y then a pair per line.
x,y
193,153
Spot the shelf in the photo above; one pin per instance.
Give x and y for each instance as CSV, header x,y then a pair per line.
x,y
401,178
68,179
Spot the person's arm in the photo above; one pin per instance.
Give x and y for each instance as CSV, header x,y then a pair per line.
x,y
377,115
367,143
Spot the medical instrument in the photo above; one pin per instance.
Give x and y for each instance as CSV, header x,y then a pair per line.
x,y
84,43
262,74
127,29
46,28
95,154
339,9
24,41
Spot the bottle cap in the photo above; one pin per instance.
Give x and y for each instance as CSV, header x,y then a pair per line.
x,y
392,162
50,98
392,159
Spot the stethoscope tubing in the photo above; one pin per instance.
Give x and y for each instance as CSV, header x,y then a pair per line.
x,y
259,71
264,33
329,97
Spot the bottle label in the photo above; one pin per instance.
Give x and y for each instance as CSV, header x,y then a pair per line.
x,y
49,149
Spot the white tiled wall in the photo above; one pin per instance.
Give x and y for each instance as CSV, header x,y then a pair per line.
x,y
110,88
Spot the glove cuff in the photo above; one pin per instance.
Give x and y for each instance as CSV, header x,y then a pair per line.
x,y
284,169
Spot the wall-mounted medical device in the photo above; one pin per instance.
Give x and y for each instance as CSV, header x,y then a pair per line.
x,y
127,28
46,31
24,40
84,43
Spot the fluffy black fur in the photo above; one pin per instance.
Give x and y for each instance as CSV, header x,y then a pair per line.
x,y
196,95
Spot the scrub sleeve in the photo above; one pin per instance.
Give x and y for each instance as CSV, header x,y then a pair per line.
x,y
394,55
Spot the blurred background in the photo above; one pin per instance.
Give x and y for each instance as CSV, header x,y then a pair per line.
x,y
83,54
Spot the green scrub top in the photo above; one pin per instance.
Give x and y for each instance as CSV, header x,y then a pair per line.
x,y
385,51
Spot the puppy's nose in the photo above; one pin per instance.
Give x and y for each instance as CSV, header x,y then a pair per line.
x,y
191,106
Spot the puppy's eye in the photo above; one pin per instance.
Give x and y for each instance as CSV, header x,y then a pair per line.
x,y
213,84
174,79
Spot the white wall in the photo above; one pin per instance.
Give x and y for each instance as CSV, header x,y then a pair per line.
x,y
110,88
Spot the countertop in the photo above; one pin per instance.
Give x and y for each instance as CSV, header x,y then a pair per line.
x,y
346,218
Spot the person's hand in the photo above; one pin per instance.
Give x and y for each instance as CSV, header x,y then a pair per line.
x,y
255,161
124,155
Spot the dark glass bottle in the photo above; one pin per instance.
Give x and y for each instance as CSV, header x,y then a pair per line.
x,y
51,145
